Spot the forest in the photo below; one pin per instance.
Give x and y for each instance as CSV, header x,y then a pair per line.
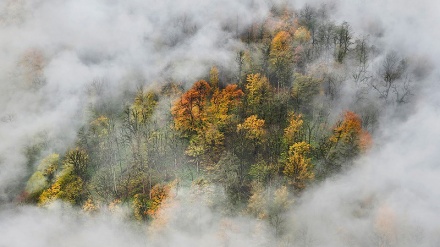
x,y
303,100
271,126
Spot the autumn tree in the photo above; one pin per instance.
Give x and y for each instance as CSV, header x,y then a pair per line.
x,y
301,52
147,206
104,147
257,204
68,187
137,132
347,141
259,94
250,137
214,78
209,139
292,133
220,115
143,106
270,206
43,176
252,129
301,35
263,172
298,167
189,111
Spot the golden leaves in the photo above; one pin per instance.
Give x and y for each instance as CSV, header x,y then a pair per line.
x,y
302,35
253,128
291,132
298,167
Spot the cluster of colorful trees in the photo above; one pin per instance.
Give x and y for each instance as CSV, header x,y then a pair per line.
x,y
262,134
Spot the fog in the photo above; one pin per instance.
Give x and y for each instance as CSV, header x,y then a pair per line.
x,y
52,51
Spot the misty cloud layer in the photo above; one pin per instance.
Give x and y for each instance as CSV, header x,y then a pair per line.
x,y
51,51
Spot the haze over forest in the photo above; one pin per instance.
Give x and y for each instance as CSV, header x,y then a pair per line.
x,y
219,123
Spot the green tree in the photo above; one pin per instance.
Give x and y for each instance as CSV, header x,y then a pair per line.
x,y
303,91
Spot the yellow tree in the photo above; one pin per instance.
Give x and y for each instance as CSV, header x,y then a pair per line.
x,y
252,129
302,35
67,187
143,106
258,94
293,130
43,176
222,104
219,112
214,78
298,167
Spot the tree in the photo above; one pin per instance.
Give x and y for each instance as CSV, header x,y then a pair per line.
x,y
392,83
308,18
209,139
347,141
43,176
213,78
189,111
277,209
281,58
302,35
143,107
257,204
263,172
259,94
342,39
298,168
222,105
231,172
292,133
32,64
78,159
158,194
67,187
252,129
303,91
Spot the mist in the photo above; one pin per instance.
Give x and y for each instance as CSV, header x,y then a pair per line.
x,y
52,52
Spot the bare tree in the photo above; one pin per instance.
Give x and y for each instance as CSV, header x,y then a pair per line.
x,y
393,83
